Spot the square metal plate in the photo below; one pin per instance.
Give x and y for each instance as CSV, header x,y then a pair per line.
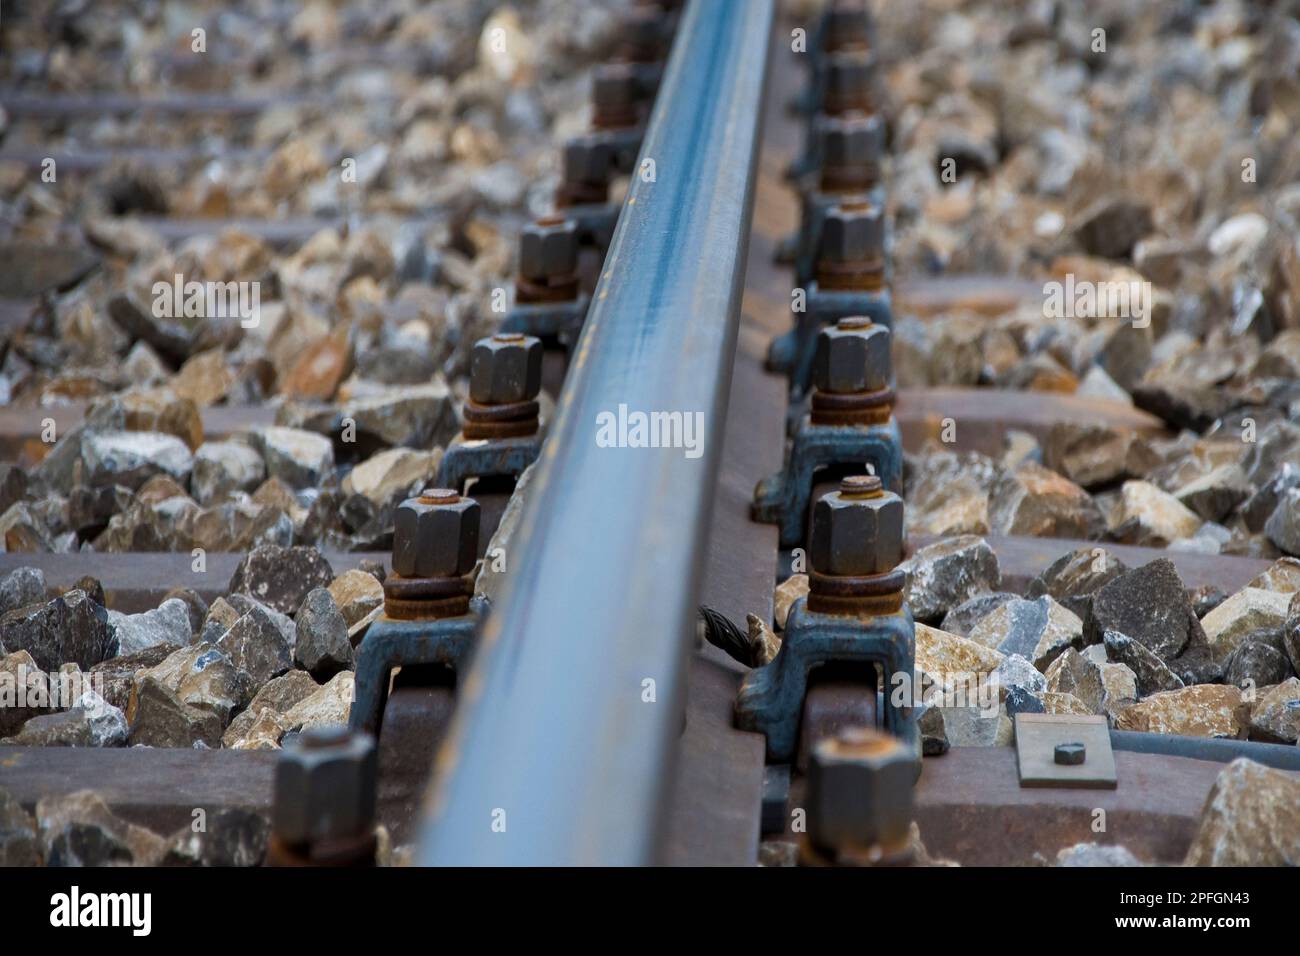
x,y
1036,738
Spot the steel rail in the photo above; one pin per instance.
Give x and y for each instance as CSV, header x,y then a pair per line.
x,y
561,752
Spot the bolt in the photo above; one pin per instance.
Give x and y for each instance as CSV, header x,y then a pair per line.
x,y
435,535
850,77
851,146
615,93
847,24
548,249
860,791
852,357
644,30
861,486
588,161
1070,755
505,368
852,233
324,786
857,530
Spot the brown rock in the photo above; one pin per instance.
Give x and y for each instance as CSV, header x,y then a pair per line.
x,y
329,705
204,380
357,594
18,844
118,673
1283,576
1203,710
161,410
162,720
787,592
1247,613
1276,714
1036,501
79,829
201,676
1147,516
260,731
1089,455
317,373
1251,818
941,656
1072,673
1112,226
18,670
1215,495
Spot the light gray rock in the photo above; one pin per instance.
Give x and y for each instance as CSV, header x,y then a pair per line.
x,y
169,623
1018,671
301,459
221,467
1095,854
322,647
1283,525
132,458
20,587
948,573
1038,630
963,618
256,644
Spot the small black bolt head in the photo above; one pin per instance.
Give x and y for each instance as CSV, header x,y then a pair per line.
x,y
1070,755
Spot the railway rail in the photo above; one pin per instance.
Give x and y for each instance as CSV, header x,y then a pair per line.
x,y
574,710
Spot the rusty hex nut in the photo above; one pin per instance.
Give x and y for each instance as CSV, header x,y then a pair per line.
x,y
324,786
852,233
860,790
645,32
548,249
850,77
851,141
614,93
847,24
505,368
435,537
856,533
589,160
852,357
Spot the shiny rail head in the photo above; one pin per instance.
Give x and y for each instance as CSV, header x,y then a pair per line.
x,y
580,768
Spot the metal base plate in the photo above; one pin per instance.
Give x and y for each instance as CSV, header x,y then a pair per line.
x,y
1036,738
